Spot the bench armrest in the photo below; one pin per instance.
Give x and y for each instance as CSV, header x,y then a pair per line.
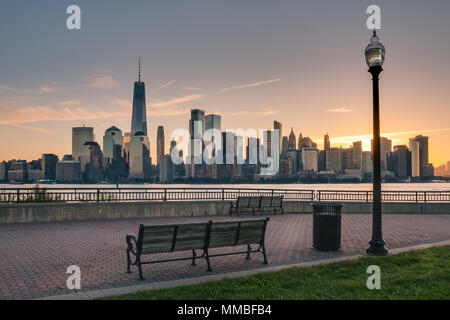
x,y
129,238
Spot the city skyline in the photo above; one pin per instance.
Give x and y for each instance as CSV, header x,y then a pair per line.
x,y
42,95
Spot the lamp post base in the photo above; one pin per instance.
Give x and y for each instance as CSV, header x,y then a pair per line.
x,y
377,248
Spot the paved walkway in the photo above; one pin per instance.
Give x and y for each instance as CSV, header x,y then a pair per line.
x,y
34,257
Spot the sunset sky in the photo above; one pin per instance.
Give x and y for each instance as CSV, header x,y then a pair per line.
x,y
251,61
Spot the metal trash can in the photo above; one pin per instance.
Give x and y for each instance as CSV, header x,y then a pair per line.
x,y
327,225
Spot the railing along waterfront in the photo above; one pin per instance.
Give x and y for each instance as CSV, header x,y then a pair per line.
x,y
386,196
72,195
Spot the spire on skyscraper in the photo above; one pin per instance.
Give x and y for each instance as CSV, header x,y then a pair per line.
x,y
139,69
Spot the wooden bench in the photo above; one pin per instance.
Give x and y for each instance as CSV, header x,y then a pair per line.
x,y
245,204
196,236
272,204
257,204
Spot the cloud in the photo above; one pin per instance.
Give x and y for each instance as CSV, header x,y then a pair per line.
x,y
103,81
168,84
47,89
168,113
339,110
7,88
175,101
192,88
34,129
69,103
250,85
43,89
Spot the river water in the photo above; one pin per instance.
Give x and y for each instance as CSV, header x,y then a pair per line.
x,y
432,186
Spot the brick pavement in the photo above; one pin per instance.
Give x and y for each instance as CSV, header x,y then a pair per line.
x,y
34,257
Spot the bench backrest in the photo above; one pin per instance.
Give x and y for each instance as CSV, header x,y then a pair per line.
x,y
277,201
188,236
266,201
168,238
248,202
232,233
243,202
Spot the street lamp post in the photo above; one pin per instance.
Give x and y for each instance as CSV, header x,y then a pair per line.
x,y
375,53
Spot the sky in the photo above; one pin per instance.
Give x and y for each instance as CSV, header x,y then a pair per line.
x,y
251,61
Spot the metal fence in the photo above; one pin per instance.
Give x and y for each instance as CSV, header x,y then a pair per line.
x,y
71,195
386,196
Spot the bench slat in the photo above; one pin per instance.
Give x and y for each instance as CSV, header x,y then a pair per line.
x,y
251,232
223,234
191,237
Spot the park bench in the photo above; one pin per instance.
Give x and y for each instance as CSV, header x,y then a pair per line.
x,y
203,236
257,204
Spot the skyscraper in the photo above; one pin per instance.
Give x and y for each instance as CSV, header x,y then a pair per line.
x,y
196,131
139,158
426,169
278,126
415,158
112,144
357,155
213,122
385,148
326,142
80,135
159,144
292,140
401,159
49,166
139,115
310,159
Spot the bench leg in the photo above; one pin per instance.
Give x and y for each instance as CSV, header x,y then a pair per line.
x,y
193,258
139,265
128,261
264,254
249,248
207,260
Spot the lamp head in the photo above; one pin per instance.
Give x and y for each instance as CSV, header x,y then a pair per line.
x,y
375,52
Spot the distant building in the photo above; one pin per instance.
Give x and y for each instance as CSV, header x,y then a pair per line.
x,y
367,164
357,155
68,171
310,159
326,142
94,169
278,126
333,159
196,131
166,169
159,144
401,161
139,159
139,113
346,158
80,135
18,171
49,162
295,156
284,146
415,158
426,168
385,148
292,140
112,144
3,171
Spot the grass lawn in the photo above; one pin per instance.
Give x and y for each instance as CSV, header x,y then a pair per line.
x,y
421,274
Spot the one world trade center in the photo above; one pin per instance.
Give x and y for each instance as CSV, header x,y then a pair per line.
x,y
139,115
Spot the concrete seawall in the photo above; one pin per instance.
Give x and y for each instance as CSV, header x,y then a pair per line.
x,y
48,212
